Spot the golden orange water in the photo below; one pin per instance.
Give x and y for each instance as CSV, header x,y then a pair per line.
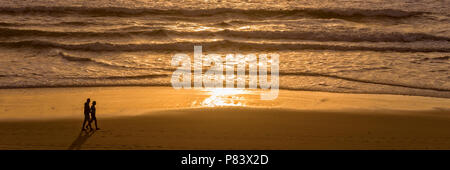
x,y
224,97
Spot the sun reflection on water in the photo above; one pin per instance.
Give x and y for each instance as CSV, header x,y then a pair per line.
x,y
224,97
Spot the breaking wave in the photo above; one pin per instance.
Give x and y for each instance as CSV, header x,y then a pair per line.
x,y
356,36
215,45
351,13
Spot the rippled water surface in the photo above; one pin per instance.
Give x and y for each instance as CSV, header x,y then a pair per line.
x,y
395,47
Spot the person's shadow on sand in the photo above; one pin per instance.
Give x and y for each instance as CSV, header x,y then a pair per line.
x,y
80,140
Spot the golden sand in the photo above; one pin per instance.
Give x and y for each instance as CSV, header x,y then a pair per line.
x,y
164,118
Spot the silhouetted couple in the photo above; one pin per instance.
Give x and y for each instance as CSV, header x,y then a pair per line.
x,y
89,115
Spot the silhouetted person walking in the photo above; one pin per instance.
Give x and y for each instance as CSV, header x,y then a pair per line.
x,y
93,118
86,115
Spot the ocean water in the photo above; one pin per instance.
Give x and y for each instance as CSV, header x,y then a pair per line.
x,y
351,46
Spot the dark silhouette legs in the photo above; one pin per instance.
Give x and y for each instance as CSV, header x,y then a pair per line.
x,y
96,126
86,120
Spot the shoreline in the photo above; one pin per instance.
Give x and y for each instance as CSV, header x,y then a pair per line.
x,y
169,85
43,103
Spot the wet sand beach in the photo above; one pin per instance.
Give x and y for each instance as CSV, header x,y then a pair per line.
x,y
164,118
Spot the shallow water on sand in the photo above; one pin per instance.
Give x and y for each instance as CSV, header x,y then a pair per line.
x,y
67,103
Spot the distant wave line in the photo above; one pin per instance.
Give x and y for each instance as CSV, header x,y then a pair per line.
x,y
278,35
349,13
216,45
